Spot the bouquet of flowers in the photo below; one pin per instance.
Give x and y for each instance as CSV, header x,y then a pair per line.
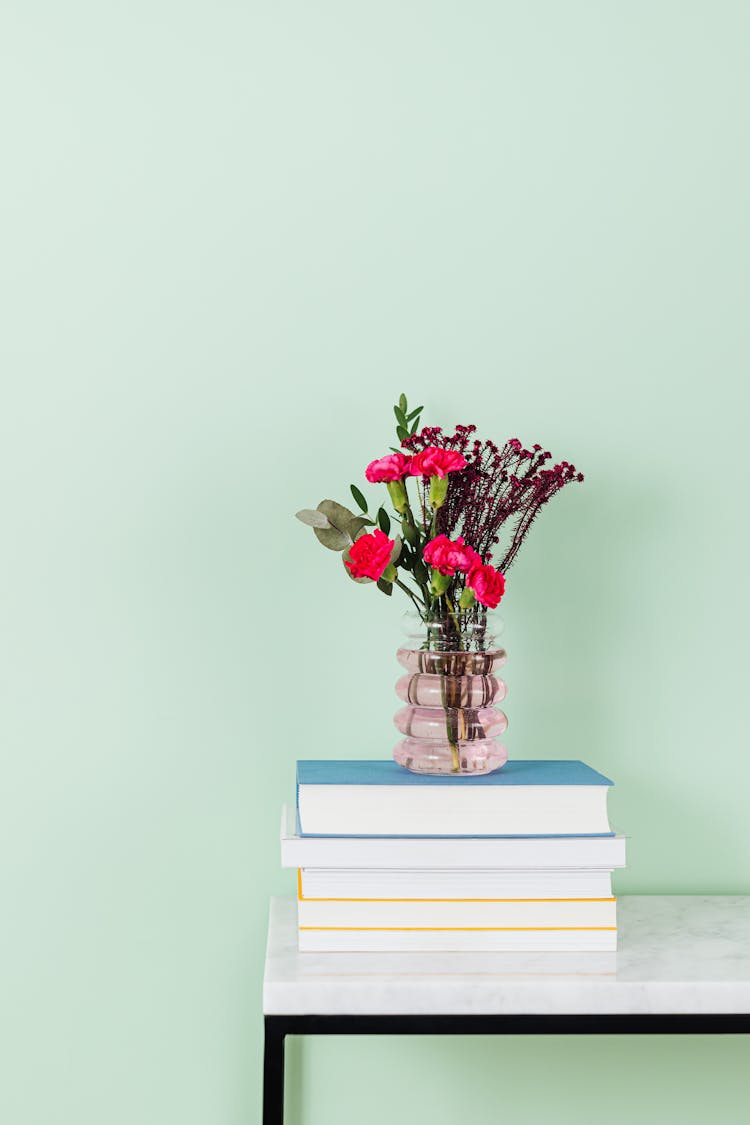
x,y
439,542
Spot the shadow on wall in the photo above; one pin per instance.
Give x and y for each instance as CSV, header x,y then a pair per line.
x,y
590,629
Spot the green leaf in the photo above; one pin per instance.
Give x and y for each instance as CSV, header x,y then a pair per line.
x,y
386,587
411,535
338,536
402,432
395,450
400,416
413,426
420,571
406,560
359,498
312,518
384,520
402,403
414,413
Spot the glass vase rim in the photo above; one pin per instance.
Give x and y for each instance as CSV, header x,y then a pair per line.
x,y
453,632
411,618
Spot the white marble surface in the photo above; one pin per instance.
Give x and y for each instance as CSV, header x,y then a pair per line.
x,y
677,954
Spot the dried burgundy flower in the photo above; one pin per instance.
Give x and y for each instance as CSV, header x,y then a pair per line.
x,y
501,490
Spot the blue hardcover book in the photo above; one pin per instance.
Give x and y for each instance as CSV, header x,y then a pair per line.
x,y
381,798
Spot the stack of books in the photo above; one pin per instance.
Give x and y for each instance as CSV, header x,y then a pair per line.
x,y
517,860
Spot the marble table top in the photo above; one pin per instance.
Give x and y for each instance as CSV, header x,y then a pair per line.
x,y
680,954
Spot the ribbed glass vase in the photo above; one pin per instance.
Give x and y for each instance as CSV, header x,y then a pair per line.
x,y
450,722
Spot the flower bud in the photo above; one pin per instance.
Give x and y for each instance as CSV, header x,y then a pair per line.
x,y
438,492
467,599
439,583
397,493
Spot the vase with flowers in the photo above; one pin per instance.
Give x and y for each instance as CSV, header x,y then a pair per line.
x,y
452,497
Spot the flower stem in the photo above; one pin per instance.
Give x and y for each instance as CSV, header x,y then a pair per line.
x,y
450,732
414,543
452,612
417,601
424,513
461,718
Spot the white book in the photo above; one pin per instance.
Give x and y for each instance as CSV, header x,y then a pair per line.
x,y
450,883
457,941
531,914
380,798
507,853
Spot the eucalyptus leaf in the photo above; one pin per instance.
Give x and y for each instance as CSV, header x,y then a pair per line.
x,y
333,539
338,516
384,520
337,537
312,518
357,525
358,497
386,587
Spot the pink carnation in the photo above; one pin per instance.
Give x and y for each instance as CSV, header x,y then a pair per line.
x,y
448,557
393,467
488,585
369,555
436,462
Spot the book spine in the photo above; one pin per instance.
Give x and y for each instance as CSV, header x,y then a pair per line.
x,y
509,853
545,914
459,941
407,885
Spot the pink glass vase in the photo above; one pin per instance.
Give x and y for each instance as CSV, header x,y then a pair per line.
x,y
450,722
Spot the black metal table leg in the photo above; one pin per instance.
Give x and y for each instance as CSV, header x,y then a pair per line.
x,y
273,1072
278,1027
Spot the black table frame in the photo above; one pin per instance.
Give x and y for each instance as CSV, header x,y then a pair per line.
x,y
278,1027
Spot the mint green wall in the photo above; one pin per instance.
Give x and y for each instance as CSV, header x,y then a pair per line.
x,y
232,233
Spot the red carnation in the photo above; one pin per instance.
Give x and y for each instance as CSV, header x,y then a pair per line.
x,y
436,462
393,467
448,557
369,555
488,585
